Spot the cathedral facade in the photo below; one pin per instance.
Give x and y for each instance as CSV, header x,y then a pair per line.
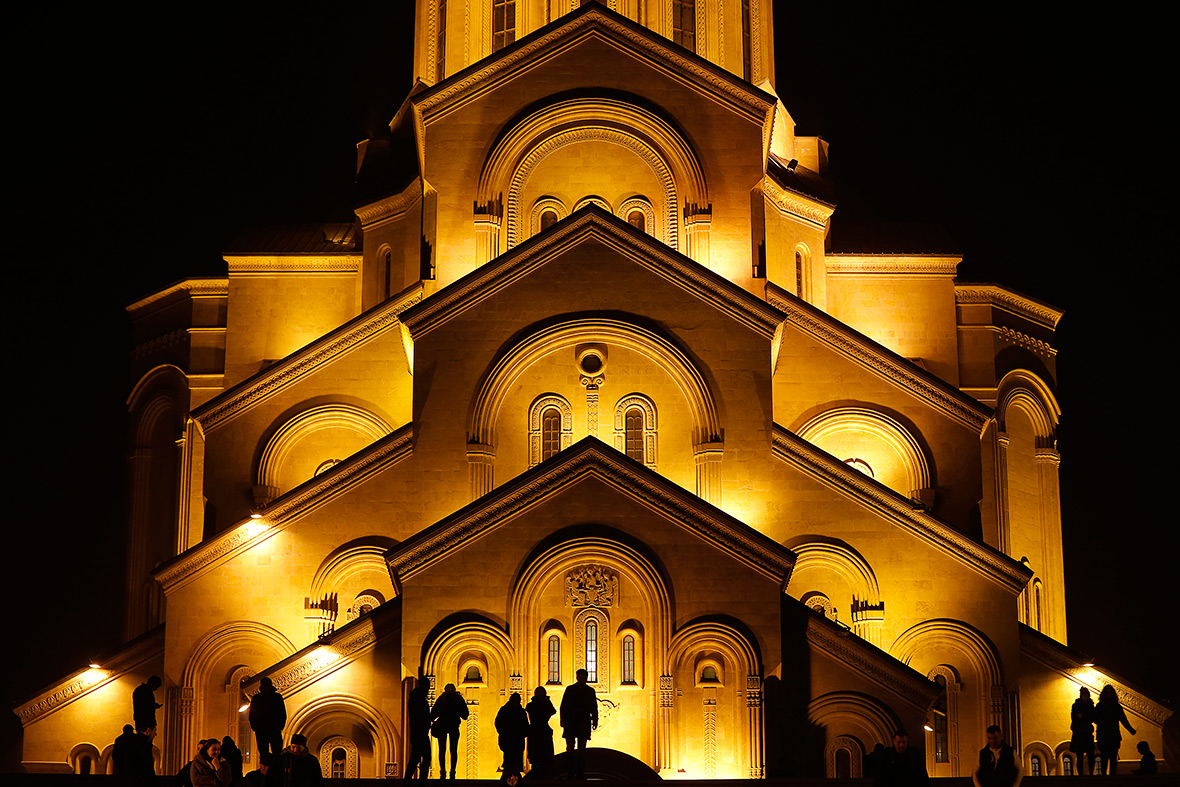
x,y
592,382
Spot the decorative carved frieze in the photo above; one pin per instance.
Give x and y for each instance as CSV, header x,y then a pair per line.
x,y
667,695
909,264
323,658
293,263
871,662
591,586
807,209
1027,342
1026,307
193,288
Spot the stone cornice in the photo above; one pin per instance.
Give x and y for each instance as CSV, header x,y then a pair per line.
x,y
807,209
830,471
881,361
284,511
589,20
324,350
134,654
590,458
943,265
247,264
390,207
1022,305
322,658
193,288
871,662
1059,658
592,222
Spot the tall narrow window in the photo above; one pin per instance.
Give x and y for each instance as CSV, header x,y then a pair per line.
x,y
634,434
440,44
550,432
941,737
1034,766
503,23
339,763
684,23
799,273
1066,765
843,764
747,55
554,659
592,651
637,220
548,219
629,659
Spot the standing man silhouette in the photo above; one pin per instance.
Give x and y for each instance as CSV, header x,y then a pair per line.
x,y
579,715
268,716
448,713
143,703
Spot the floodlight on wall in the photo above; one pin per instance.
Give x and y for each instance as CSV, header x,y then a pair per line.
x,y
928,728
1087,664
244,708
256,514
95,665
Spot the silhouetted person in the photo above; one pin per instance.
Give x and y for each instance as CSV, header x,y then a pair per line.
x,y
295,767
449,711
418,717
998,766
143,703
268,716
874,760
257,778
185,776
512,725
1081,732
208,768
143,766
579,716
540,736
233,758
901,765
1108,715
123,752
1147,764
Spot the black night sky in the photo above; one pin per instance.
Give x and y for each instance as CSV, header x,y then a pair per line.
x,y
145,144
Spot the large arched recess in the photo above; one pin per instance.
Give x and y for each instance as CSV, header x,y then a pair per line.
x,y
158,409
515,360
571,122
356,719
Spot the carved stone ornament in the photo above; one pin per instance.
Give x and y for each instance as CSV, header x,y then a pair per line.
x,y
591,586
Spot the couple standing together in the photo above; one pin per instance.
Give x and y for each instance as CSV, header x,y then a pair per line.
x,y
515,724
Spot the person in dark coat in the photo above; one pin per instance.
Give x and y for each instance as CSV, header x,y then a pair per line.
x,y
233,758
208,768
257,778
998,766
185,775
295,767
900,765
123,752
579,716
540,735
268,716
512,725
1147,764
418,718
143,766
448,713
1108,715
143,703
1081,732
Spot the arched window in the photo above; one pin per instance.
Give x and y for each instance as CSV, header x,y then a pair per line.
x,y
554,659
638,220
709,674
503,23
941,736
473,675
860,465
747,54
843,764
684,23
635,428
387,272
551,425
592,651
84,765
629,659
1067,765
339,763
548,219
1034,765
799,273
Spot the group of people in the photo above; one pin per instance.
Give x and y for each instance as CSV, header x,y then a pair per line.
x,y
1097,727
516,725
905,766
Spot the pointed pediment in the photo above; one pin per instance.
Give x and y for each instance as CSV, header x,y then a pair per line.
x,y
594,22
592,224
590,459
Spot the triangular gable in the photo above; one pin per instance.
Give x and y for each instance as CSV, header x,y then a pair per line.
x,y
872,494
589,21
592,223
879,359
328,348
587,458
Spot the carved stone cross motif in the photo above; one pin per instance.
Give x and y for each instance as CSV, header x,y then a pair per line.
x,y
591,586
